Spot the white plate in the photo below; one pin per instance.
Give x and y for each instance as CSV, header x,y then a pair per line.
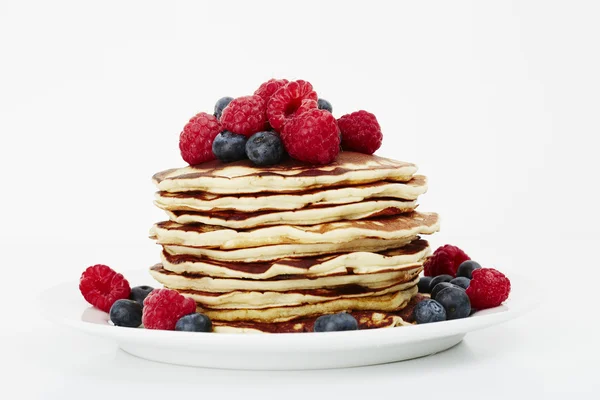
x,y
64,304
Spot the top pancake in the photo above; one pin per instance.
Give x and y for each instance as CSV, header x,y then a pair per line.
x,y
349,168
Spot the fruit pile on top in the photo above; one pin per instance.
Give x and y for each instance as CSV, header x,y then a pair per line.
x,y
280,118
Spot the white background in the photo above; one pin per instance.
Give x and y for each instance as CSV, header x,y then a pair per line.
x,y
497,102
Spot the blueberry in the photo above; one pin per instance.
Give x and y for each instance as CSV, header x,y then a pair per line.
x,y
440,286
424,284
126,313
325,105
455,302
466,268
139,293
264,148
220,105
461,281
427,311
229,146
336,322
439,279
195,322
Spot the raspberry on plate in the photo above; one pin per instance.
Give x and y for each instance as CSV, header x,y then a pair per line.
x,y
489,288
164,307
196,139
445,260
360,132
245,115
312,137
267,89
286,102
101,286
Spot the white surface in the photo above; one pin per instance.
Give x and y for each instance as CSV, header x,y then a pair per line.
x,y
496,101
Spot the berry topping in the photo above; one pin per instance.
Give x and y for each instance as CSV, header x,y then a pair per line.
x,y
245,115
139,293
101,286
286,101
439,279
265,148
164,307
195,322
195,142
126,313
455,301
489,288
229,146
336,322
445,260
220,105
437,288
423,285
466,268
312,137
324,105
461,281
427,311
360,132
267,89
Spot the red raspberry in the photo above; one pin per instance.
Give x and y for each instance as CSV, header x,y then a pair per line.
x,y
445,260
360,132
195,141
488,288
312,137
267,89
101,286
245,115
285,102
163,307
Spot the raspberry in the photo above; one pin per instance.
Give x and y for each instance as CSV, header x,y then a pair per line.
x,y
164,307
489,288
101,286
285,102
312,137
245,115
195,141
445,260
267,89
360,132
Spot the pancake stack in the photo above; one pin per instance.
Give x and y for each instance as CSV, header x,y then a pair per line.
x,y
270,249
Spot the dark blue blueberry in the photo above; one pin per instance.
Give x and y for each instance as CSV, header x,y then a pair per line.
x,y
461,281
429,310
439,279
466,268
139,293
265,148
220,105
229,146
195,322
439,287
424,284
126,313
325,105
455,302
336,322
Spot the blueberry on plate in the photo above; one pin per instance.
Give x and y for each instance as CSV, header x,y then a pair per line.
x,y
324,105
229,146
455,302
466,269
220,106
139,294
440,286
126,313
195,322
439,279
336,322
423,284
265,148
429,310
461,281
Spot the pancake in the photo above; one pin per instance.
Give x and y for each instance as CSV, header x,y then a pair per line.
x,y
349,168
204,201
398,227
311,215
355,262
